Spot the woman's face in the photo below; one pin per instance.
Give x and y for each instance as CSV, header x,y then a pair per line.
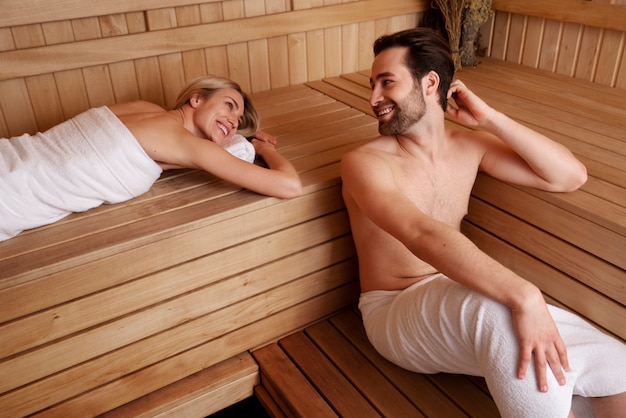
x,y
217,116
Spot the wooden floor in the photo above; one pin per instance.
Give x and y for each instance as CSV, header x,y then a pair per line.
x,y
331,369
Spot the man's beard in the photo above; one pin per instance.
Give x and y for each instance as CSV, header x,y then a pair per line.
x,y
406,113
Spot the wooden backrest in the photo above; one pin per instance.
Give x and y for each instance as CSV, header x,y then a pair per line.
x,y
59,58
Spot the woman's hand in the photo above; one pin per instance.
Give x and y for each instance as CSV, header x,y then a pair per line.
x,y
264,137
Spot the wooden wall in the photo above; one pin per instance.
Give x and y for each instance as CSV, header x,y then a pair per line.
x,y
60,57
579,38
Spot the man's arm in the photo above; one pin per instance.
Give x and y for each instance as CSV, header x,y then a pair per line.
x,y
516,153
366,178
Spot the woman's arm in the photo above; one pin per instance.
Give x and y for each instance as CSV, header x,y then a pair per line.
x,y
280,179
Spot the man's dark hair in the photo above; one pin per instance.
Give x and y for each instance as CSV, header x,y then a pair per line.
x,y
427,51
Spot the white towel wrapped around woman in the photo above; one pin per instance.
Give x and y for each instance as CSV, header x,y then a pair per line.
x,y
438,325
77,165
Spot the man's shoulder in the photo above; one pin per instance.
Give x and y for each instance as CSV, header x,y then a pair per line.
x,y
378,146
361,163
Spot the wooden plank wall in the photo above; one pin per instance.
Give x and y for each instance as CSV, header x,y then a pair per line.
x,y
578,38
60,57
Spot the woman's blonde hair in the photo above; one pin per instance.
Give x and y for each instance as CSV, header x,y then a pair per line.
x,y
207,85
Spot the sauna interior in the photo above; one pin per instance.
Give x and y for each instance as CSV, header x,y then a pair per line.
x,y
157,306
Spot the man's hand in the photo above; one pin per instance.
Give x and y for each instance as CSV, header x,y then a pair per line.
x,y
538,336
469,109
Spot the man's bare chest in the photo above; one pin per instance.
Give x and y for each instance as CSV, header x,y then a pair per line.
x,y
442,195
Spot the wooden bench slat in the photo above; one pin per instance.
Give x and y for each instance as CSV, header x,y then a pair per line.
x,y
207,233
179,313
370,382
558,90
200,394
580,265
302,399
268,403
341,95
298,110
597,239
465,394
216,346
326,379
362,375
305,247
416,387
570,293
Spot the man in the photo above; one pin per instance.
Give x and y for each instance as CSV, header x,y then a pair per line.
x,y
432,301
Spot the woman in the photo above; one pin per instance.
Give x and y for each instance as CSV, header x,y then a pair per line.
x,y
112,154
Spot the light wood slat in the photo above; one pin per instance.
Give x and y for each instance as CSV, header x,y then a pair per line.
x,y
571,293
16,106
343,119
416,387
326,379
302,399
598,240
600,211
583,266
370,382
550,95
208,233
37,11
200,394
292,112
224,346
308,298
315,54
341,95
336,144
46,103
577,11
108,304
70,284
141,45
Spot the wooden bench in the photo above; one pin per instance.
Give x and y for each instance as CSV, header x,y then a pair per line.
x,y
107,306
152,305
571,245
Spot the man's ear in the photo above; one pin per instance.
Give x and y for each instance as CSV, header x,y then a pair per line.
x,y
430,83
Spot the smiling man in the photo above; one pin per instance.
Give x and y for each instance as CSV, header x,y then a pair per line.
x,y
431,300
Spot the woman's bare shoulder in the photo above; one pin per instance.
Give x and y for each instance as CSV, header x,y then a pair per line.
x,y
138,106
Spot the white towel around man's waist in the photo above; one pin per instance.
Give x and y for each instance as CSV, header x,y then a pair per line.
x,y
438,325
77,165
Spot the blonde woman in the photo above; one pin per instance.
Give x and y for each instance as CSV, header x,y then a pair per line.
x,y
114,153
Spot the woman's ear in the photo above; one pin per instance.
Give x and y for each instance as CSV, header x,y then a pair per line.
x,y
195,100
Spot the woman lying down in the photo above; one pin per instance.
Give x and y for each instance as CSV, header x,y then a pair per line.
x,y
114,153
